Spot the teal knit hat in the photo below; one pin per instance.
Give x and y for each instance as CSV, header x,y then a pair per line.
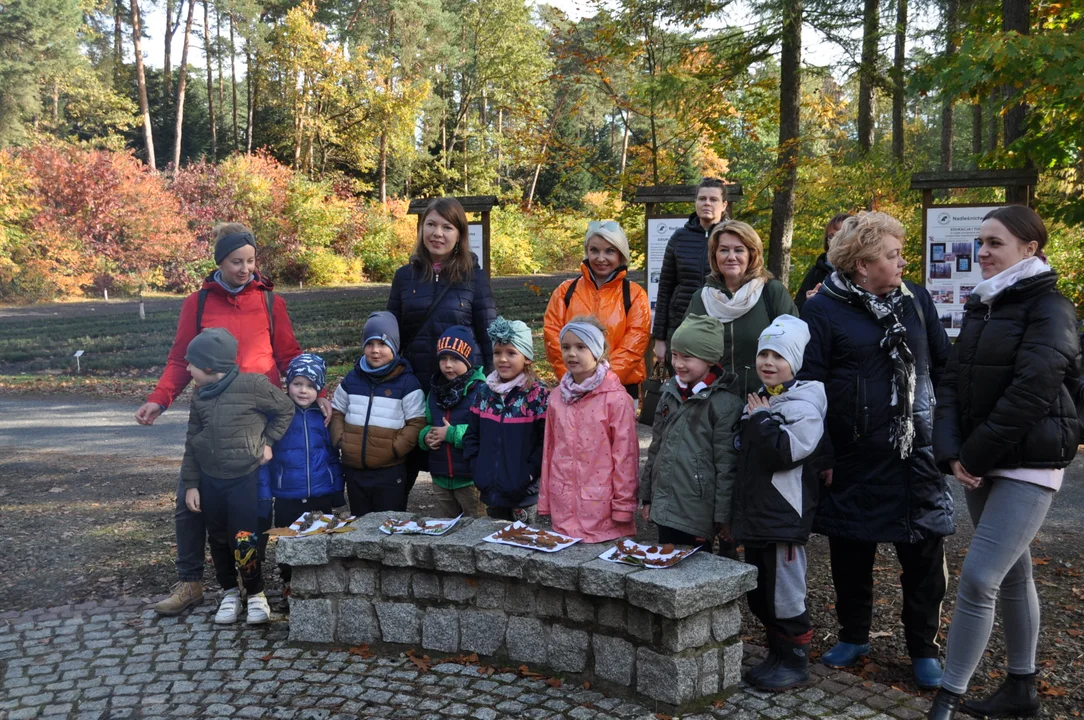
x,y
700,336
514,333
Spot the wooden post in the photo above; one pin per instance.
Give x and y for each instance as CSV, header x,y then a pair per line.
x,y
485,243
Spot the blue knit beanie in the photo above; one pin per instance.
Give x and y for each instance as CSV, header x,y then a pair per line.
x,y
308,366
458,341
382,326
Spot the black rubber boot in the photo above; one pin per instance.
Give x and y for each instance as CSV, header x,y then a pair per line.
x,y
769,662
792,669
1017,697
945,705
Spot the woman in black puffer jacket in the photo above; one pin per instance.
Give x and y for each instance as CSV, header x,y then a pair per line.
x,y
1006,427
442,286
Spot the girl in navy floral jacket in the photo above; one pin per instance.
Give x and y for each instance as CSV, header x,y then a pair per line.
x,y
507,427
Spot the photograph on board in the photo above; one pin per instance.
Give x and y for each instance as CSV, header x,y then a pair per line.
x,y
937,252
957,319
946,320
961,250
963,264
941,270
965,293
942,295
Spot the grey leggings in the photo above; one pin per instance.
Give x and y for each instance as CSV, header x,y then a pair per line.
x,y
1007,514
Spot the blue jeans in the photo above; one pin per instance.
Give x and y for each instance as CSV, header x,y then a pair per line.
x,y
191,538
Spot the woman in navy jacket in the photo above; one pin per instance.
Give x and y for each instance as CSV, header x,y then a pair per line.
x,y
879,349
442,286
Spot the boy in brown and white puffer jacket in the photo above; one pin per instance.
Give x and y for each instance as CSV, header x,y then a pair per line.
x,y
377,412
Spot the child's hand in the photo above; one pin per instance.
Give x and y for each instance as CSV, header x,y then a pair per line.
x,y
645,511
756,402
325,407
191,499
437,434
722,531
266,455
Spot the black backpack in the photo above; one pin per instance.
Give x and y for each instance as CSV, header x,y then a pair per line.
x,y
626,293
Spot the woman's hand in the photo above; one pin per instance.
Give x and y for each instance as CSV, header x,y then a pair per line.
x,y
756,402
965,478
266,455
191,499
645,511
148,412
826,476
660,350
811,293
325,407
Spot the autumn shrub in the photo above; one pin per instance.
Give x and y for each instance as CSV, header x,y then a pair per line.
x,y
383,238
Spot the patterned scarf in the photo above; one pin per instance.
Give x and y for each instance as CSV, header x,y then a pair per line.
x,y
449,393
687,391
502,388
571,391
888,311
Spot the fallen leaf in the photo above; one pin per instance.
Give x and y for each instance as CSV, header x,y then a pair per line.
x,y
56,489
269,656
553,682
1040,561
718,704
586,685
362,651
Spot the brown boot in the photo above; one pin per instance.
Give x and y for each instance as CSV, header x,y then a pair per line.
x,y
182,596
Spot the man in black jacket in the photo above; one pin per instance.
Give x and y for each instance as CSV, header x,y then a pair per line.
x,y
685,263
821,268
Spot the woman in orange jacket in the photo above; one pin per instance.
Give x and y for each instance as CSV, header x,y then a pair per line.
x,y
604,290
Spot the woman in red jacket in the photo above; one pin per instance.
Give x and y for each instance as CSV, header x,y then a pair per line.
x,y
237,298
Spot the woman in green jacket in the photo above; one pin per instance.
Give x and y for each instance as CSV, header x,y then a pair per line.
x,y
742,295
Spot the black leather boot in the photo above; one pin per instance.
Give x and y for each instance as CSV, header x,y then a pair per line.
x,y
945,705
791,670
1017,697
769,662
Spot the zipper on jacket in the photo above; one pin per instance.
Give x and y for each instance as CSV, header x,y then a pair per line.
x,y
365,430
308,454
857,405
447,445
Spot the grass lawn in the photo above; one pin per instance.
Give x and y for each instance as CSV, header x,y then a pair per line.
x,y
124,355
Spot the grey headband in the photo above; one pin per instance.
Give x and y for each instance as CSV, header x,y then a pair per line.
x,y
592,337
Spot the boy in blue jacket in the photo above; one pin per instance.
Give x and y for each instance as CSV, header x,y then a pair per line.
x,y
447,413
304,473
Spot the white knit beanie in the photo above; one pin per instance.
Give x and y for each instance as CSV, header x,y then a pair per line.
x,y
788,336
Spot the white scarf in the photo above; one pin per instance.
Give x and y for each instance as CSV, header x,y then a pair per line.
x,y
502,388
728,309
989,289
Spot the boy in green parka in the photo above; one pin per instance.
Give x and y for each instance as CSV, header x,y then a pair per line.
x,y
687,481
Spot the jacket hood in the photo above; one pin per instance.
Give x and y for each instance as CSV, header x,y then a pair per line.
x,y
802,391
823,265
619,274
258,282
693,224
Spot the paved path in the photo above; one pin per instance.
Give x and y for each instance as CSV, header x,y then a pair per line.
x,y
120,660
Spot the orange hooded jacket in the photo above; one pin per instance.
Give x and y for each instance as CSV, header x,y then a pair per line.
x,y
628,336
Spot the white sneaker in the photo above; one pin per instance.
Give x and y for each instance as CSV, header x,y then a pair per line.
x,y
229,608
259,612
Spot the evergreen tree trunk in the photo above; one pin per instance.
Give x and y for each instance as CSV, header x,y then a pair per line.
x,y
218,57
991,143
210,83
167,73
976,133
867,74
252,89
1015,16
182,84
790,84
898,85
118,47
383,169
233,85
947,110
141,79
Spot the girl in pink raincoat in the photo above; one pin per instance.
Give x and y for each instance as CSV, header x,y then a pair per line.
x,y
591,455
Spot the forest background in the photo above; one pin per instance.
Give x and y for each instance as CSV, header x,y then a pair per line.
x,y
315,123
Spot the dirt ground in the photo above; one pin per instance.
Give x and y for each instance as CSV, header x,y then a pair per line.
x,y
78,527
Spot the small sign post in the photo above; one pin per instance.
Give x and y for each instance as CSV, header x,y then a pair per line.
x,y
78,354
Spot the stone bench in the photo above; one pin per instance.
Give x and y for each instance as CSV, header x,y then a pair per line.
x,y
670,634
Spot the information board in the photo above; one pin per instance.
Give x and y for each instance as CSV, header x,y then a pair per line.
x,y
659,232
952,270
476,243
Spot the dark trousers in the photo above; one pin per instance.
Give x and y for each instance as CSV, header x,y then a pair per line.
x,y
416,461
286,511
377,490
778,600
230,508
924,580
668,535
191,537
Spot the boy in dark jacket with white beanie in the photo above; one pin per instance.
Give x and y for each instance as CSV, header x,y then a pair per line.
x,y
775,497
235,418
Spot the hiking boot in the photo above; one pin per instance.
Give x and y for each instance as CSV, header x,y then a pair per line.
x,y
229,607
792,669
1017,697
181,596
927,672
755,673
259,612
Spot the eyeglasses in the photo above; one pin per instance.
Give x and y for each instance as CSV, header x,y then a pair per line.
x,y
596,225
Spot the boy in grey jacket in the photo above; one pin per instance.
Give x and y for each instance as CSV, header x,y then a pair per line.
x,y
234,419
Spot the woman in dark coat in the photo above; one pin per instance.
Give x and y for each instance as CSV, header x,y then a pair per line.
x,y
1006,428
879,349
442,286
821,269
